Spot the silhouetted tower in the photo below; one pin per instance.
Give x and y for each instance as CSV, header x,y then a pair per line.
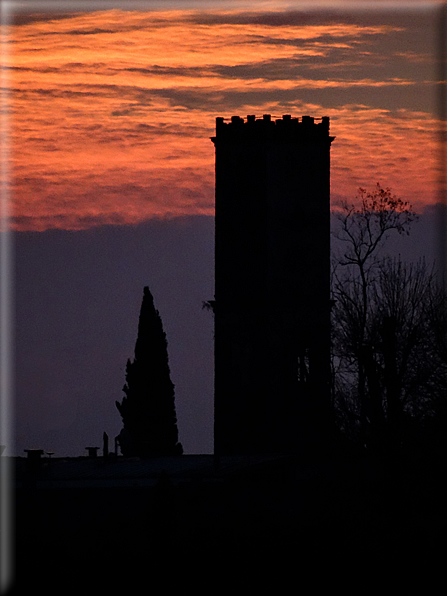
x,y
272,284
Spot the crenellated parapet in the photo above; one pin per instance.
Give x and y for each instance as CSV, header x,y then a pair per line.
x,y
290,129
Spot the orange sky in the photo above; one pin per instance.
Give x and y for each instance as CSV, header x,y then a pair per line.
x,y
110,113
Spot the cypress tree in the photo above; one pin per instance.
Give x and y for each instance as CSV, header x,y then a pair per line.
x,y
148,407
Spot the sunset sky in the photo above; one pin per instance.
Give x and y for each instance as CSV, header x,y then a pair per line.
x,y
110,114
111,111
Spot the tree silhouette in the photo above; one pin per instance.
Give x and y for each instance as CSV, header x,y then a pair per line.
x,y
388,328
148,408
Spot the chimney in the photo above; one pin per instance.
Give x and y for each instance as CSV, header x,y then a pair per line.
x,y
105,441
92,451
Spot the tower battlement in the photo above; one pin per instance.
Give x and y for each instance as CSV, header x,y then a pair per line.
x,y
285,128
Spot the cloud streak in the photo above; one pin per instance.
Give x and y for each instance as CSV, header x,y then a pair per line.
x,y
111,112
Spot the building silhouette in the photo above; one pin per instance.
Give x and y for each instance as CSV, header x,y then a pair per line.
x,y
272,284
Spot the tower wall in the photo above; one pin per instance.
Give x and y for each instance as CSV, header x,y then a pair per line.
x,y
272,292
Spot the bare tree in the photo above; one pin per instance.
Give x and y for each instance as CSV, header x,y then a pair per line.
x,y
363,230
406,361
386,355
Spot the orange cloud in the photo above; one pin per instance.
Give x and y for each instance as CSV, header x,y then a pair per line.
x,y
111,112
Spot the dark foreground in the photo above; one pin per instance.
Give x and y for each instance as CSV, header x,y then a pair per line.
x,y
127,526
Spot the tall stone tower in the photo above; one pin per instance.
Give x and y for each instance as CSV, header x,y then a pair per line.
x,y
272,284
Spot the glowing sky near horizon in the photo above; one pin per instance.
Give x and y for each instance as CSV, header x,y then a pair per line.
x,y
110,112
